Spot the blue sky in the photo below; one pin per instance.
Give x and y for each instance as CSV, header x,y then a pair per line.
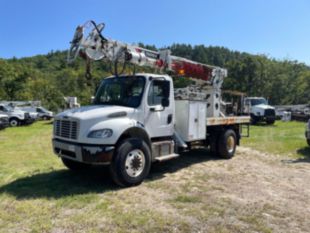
x,y
277,28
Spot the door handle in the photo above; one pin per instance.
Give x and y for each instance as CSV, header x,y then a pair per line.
x,y
169,119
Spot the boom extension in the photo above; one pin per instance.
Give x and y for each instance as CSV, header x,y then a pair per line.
x,y
89,42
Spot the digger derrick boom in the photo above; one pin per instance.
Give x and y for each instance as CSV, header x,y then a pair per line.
x,y
95,47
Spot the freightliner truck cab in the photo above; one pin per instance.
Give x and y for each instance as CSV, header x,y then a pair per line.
x,y
137,108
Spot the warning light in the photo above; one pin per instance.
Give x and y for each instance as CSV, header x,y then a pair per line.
x,y
191,69
181,72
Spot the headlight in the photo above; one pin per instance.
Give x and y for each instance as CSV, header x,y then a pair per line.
x,y
101,133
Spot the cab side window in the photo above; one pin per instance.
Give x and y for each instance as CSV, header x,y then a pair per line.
x,y
159,89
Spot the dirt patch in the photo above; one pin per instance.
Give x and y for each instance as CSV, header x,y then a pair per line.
x,y
253,192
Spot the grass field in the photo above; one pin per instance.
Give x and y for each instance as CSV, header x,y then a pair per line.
x,y
282,138
38,194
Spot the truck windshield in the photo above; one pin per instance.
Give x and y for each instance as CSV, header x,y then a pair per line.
x,y
124,91
8,108
258,101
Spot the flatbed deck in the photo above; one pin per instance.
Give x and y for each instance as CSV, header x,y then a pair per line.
x,y
232,120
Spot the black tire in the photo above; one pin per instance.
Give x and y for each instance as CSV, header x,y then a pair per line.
x,y
73,165
14,122
214,145
227,144
270,121
308,141
131,162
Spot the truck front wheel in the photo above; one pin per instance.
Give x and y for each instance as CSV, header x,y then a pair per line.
x,y
131,162
227,144
14,122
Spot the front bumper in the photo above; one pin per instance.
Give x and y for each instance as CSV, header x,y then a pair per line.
x,y
270,118
85,153
28,121
4,124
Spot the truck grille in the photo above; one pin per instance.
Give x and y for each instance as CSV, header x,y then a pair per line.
x,y
4,120
66,128
270,112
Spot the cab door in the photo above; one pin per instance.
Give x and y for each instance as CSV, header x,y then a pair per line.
x,y
159,108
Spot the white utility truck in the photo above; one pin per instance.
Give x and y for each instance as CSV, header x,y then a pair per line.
x,y
16,116
259,110
32,107
139,118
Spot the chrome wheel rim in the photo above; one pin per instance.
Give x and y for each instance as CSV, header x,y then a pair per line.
x,y
13,123
230,144
135,163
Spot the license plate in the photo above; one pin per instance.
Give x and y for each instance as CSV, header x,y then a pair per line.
x,y
71,148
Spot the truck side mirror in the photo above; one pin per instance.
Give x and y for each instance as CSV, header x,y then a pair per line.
x,y
165,102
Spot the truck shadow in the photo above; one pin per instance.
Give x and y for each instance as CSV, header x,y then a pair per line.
x,y
305,156
263,124
61,183
160,169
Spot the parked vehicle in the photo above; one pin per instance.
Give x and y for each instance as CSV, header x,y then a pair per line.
x,y
308,132
40,111
4,121
259,110
33,115
16,115
136,120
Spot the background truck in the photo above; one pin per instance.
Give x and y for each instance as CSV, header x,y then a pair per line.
x,y
16,115
34,108
259,110
140,118
42,113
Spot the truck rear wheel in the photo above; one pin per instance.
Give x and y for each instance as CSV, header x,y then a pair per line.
x,y
14,122
227,144
73,165
131,162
